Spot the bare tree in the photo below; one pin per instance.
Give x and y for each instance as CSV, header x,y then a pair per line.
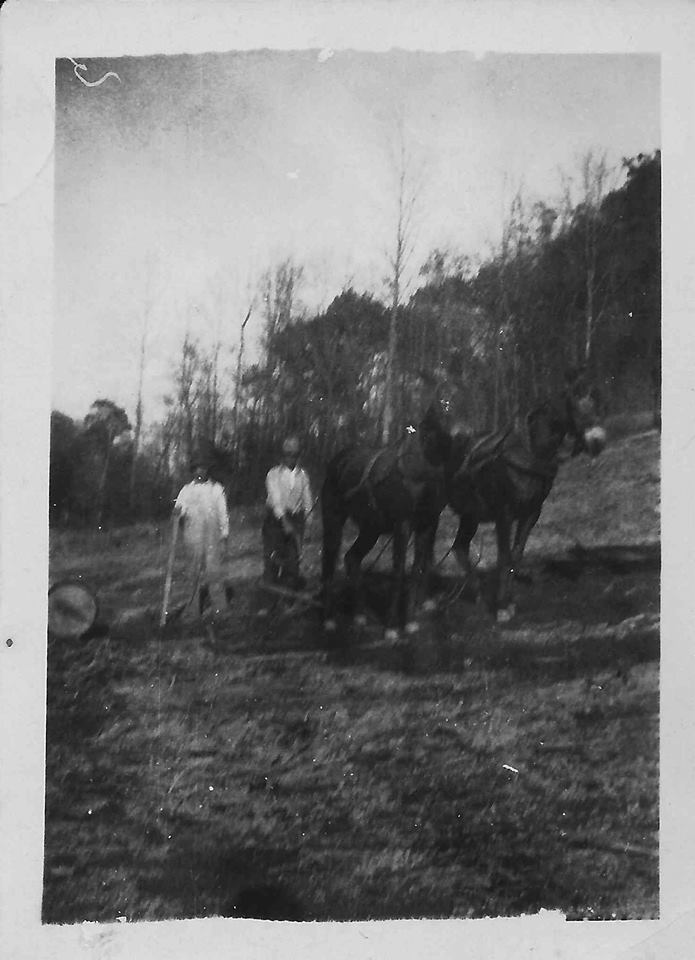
x,y
279,289
106,425
407,195
597,179
146,311
187,393
279,292
510,305
214,308
237,384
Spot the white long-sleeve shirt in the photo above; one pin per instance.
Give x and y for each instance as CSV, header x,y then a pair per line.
x,y
288,491
207,521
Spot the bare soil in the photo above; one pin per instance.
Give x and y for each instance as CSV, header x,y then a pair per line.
x,y
265,768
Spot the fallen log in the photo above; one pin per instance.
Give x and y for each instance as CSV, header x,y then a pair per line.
x,y
634,849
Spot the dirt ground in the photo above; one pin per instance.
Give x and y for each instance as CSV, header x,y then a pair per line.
x,y
272,770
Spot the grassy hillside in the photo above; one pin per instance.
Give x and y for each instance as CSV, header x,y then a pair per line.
x,y
273,771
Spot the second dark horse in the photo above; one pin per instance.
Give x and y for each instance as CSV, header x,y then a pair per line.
x,y
395,490
510,488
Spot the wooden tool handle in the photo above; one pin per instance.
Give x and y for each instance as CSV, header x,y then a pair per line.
x,y
170,573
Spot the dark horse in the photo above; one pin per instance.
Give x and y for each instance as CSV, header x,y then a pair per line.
x,y
395,490
510,488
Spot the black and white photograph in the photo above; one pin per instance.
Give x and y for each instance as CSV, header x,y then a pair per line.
x,y
353,520
399,308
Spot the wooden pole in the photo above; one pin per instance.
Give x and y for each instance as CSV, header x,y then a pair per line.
x,y
170,573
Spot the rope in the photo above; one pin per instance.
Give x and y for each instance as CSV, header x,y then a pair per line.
x,y
362,482
396,446
496,438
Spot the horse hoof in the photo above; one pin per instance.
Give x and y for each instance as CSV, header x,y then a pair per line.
x,y
429,605
412,627
330,626
360,620
505,614
391,635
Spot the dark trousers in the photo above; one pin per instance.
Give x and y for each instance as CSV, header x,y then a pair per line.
x,y
281,550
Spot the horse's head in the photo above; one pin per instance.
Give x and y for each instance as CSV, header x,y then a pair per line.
x,y
548,426
584,422
573,414
434,432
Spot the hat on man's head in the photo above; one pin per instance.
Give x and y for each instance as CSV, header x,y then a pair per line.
x,y
201,456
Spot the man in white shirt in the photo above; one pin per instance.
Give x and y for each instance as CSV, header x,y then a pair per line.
x,y
201,512
288,506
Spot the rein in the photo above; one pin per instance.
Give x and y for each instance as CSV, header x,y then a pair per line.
x,y
544,467
364,481
497,436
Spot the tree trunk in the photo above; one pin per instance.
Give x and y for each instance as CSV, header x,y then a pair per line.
x,y
214,399
390,362
406,201
498,379
237,387
137,431
589,314
102,486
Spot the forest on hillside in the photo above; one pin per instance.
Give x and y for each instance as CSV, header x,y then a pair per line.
x,y
570,284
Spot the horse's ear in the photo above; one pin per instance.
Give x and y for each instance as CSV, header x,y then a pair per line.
x,y
434,419
596,396
575,378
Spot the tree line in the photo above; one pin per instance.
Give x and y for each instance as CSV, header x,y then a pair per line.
x,y
572,283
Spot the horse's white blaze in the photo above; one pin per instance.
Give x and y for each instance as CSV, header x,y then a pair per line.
x,y
595,440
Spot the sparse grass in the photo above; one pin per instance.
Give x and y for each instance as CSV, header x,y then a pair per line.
x,y
469,771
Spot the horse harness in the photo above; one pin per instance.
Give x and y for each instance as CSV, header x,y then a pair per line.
x,y
484,450
490,448
367,481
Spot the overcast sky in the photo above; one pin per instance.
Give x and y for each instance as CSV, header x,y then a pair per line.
x,y
179,185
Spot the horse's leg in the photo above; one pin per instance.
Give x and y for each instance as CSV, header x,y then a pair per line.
x,y
353,559
523,531
462,551
333,523
505,572
398,608
423,563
